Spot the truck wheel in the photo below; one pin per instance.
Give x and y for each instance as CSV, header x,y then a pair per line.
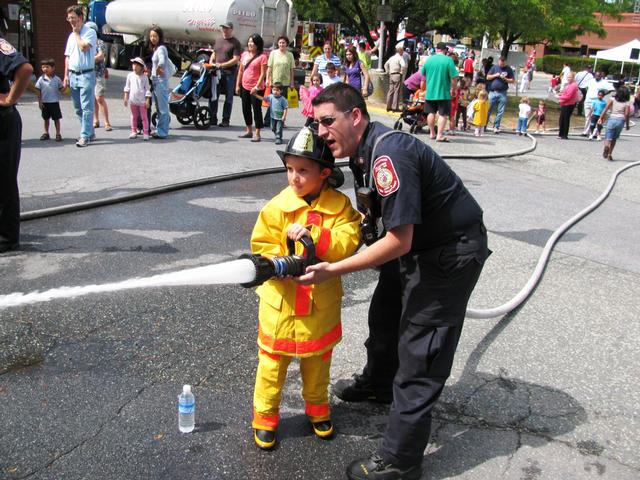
x,y
114,55
202,118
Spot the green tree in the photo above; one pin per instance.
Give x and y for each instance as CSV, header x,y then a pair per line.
x,y
540,21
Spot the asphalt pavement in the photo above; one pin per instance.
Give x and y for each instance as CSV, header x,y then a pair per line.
x,y
89,385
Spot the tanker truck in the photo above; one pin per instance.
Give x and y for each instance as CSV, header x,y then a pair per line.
x,y
190,26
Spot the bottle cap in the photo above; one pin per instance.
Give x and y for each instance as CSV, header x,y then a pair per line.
x,y
186,389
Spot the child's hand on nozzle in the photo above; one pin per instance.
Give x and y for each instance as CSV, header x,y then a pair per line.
x,y
297,231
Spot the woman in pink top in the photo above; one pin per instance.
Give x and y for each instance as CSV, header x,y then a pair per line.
x,y
567,98
250,80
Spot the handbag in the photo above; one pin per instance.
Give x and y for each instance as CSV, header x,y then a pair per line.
x,y
292,98
369,88
106,74
267,92
470,110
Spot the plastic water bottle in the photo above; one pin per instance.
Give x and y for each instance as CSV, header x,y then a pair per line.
x,y
186,410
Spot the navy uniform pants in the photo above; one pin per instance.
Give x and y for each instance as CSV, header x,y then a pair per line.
x,y
415,321
10,141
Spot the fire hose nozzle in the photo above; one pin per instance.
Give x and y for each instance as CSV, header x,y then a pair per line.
x,y
288,265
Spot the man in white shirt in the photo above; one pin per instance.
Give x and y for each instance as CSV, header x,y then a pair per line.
x,y
79,71
583,78
396,67
596,84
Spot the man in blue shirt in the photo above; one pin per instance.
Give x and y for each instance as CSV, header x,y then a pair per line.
x,y
499,78
79,71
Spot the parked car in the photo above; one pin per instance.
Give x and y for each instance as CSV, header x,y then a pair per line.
x,y
460,49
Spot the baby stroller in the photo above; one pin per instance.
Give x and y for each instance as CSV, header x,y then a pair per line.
x,y
413,115
184,101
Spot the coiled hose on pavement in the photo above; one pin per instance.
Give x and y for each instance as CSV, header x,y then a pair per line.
x,y
503,309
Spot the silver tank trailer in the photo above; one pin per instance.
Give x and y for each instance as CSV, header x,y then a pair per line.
x,y
199,20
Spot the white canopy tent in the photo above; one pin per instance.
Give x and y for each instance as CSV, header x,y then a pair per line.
x,y
627,53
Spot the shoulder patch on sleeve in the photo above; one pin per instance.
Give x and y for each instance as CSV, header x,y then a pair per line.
x,y
385,176
6,48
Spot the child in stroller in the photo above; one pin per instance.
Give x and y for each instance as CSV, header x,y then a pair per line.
x,y
184,101
413,113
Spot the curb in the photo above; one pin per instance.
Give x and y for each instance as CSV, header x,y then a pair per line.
x,y
374,108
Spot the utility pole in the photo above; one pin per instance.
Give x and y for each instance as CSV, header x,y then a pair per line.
x,y
381,45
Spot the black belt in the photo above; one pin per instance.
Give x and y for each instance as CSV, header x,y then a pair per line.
x,y
81,72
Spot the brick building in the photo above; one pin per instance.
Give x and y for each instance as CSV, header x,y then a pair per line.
x,y
619,31
44,29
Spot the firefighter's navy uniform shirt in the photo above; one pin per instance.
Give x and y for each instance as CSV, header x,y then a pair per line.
x,y
415,186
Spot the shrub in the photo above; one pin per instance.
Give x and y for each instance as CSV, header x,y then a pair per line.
x,y
554,64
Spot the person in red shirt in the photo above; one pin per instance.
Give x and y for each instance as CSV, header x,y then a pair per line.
x,y
567,99
467,68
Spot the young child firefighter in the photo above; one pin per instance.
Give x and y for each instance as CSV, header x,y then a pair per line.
x,y
295,320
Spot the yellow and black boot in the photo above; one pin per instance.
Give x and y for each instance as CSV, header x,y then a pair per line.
x,y
323,429
265,439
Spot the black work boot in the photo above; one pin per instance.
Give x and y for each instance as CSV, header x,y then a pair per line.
x,y
323,429
265,439
359,389
374,468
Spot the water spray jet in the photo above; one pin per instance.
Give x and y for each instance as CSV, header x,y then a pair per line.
x,y
249,271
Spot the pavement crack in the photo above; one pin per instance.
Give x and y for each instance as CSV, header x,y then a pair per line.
x,y
510,458
520,431
99,430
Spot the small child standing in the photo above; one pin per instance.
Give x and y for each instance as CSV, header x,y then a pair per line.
x,y
553,84
137,95
524,110
49,87
278,107
541,114
480,112
597,107
298,321
463,103
454,93
524,80
307,95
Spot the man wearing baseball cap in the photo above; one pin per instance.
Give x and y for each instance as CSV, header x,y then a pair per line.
x,y
225,56
440,75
